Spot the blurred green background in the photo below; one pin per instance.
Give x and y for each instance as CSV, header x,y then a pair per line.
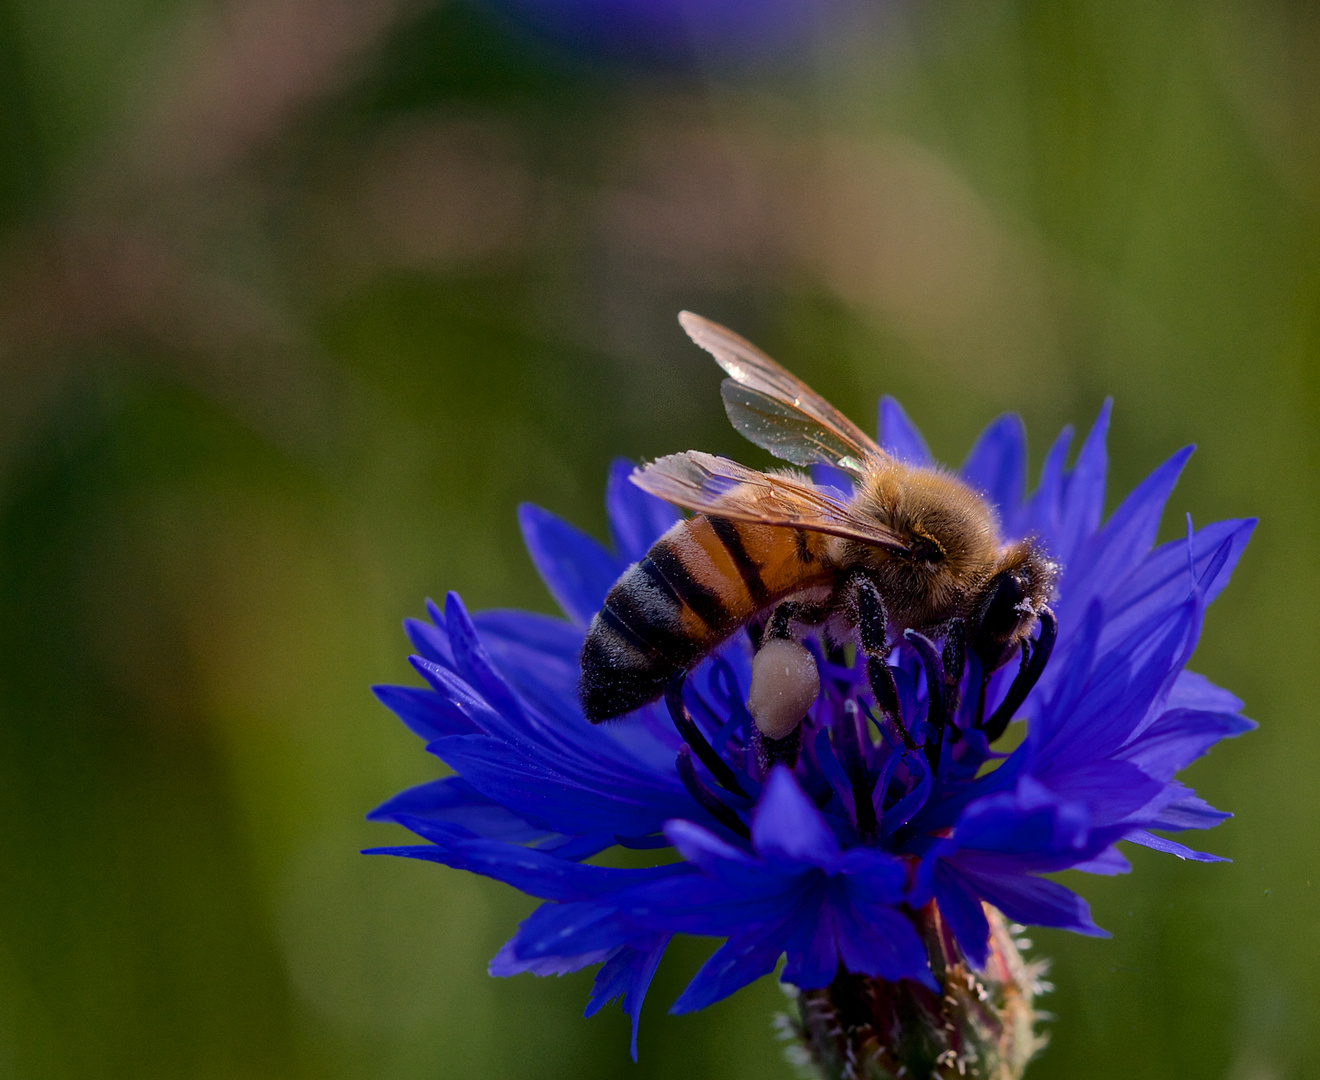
x,y
298,299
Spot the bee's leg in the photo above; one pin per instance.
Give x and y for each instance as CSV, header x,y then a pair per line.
x,y
771,752
955,661
779,628
866,611
1034,657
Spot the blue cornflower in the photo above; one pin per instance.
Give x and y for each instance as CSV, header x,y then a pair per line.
x,y
677,33
887,851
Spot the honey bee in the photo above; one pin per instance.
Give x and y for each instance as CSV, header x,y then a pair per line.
x,y
912,548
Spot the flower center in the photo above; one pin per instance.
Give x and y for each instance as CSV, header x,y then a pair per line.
x,y
879,739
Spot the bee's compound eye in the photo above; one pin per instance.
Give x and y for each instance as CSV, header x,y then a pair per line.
x,y
785,683
1002,614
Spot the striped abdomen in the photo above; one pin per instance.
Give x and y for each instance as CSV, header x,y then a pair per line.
x,y
699,583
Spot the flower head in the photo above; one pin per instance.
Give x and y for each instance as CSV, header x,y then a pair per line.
x,y
676,33
887,847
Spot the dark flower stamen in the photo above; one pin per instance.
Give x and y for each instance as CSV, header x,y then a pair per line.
x,y
835,773
937,710
849,734
707,799
691,734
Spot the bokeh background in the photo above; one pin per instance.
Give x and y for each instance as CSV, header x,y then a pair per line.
x,y
299,298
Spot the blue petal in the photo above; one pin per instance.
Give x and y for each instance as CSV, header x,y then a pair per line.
x,y
1083,500
812,952
577,569
622,807
960,906
742,898
1116,701
1171,847
637,518
429,640
875,874
1110,790
786,824
1189,812
1030,819
997,463
1179,737
739,961
877,940
1193,691
1073,669
473,663
426,713
1102,562
1043,511
627,973
1027,898
453,800
567,740
534,872
703,848
506,962
570,930
824,475
828,764
538,656
453,693
899,436
1109,862
523,643
1162,579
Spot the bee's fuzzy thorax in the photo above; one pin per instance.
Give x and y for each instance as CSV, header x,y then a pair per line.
x,y
933,504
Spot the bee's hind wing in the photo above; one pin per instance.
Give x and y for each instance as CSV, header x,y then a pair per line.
x,y
776,410
722,488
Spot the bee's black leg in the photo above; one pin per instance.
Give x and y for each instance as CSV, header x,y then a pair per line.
x,y
794,611
866,610
955,660
885,690
1034,658
771,752
778,628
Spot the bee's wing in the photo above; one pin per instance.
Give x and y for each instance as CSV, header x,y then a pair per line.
x,y
723,488
776,410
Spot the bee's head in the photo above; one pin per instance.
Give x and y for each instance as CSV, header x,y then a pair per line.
x,y
1006,609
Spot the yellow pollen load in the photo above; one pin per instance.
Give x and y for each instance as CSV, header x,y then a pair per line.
x,y
785,684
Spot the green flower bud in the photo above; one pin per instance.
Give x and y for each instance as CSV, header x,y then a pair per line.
x,y
982,1025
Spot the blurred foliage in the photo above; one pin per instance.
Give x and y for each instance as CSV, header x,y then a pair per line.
x,y
301,297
